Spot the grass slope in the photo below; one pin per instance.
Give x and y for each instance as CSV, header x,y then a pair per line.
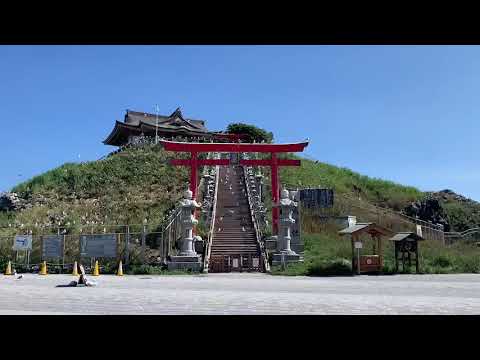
x,y
329,254
125,188
138,184
345,181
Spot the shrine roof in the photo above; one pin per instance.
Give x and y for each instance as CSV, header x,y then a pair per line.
x,y
137,117
406,235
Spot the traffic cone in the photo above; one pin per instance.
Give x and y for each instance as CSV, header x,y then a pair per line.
x,y
8,270
75,269
120,269
43,268
96,272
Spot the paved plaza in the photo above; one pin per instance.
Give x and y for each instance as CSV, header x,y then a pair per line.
x,y
243,294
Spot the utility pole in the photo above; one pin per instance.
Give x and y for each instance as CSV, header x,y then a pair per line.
x,y
156,125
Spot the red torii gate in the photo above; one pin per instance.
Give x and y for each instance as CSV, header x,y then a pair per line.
x,y
273,162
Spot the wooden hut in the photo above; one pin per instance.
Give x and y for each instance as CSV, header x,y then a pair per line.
x,y
406,247
367,263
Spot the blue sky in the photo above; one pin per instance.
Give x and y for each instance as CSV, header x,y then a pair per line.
x,y
402,113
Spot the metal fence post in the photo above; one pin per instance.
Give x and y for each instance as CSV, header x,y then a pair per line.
x,y
144,233
127,246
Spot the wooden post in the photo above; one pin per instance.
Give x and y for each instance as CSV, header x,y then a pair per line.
x,y
396,257
353,238
380,251
41,248
63,252
417,268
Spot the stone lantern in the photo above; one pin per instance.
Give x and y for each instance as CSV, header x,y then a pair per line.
x,y
284,253
187,257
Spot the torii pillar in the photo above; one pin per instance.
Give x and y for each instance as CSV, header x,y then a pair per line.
x,y
274,163
194,163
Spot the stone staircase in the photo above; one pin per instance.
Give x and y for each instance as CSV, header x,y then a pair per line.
x,y
234,244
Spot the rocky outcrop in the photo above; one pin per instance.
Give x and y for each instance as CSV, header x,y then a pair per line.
x,y
428,209
449,195
11,202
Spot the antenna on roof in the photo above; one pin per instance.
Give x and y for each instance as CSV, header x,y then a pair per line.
x,y
156,124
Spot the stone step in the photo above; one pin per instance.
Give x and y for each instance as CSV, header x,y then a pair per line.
x,y
232,240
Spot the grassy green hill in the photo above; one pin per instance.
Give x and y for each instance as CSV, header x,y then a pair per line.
x,y
345,181
125,188
138,184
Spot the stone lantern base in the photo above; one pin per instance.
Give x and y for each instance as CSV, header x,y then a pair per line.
x,y
289,258
179,262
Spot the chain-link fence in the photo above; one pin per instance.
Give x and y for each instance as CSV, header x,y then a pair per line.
x,y
136,245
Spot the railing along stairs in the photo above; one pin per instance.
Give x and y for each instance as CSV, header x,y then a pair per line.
x,y
466,235
208,244
255,206
172,230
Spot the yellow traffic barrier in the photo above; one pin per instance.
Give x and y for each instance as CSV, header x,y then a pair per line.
x,y
96,272
120,269
8,270
43,268
75,269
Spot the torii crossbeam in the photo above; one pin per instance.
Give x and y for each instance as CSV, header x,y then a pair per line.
x,y
273,162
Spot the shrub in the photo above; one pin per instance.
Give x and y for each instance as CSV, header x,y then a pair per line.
x,y
442,261
337,266
145,270
252,132
293,269
468,265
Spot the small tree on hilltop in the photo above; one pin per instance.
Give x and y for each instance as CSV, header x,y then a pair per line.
x,y
253,133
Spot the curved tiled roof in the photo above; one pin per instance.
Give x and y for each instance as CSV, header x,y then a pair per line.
x,y
136,117
136,122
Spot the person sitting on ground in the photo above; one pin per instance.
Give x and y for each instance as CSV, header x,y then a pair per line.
x,y
82,280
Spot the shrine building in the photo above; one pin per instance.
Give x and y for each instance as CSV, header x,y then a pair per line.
x,y
140,125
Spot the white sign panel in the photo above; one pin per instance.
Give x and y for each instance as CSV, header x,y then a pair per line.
x,y
352,220
419,230
358,245
22,242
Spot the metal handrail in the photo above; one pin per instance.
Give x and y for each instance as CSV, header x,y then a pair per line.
x,y
464,233
208,246
256,226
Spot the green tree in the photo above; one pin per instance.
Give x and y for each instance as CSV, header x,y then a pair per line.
x,y
252,132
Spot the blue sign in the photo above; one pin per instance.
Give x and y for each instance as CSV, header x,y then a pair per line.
x,y
22,242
